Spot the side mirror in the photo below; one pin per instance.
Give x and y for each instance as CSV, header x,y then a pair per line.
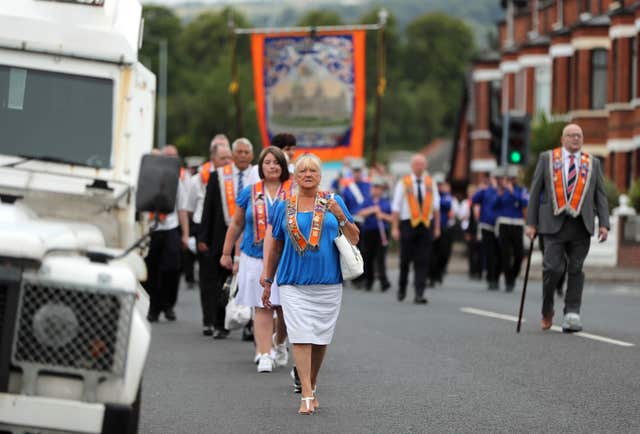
x,y
157,184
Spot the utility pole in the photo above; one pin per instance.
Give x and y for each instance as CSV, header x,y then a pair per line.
x,y
162,93
381,85
234,86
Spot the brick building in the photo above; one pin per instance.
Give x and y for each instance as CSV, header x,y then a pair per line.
x,y
575,60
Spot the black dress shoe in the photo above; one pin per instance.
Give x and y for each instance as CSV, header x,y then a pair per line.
x,y
401,295
420,300
385,286
220,334
247,332
509,287
170,314
207,330
152,317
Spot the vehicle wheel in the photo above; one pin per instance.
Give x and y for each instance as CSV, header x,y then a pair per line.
x,y
132,426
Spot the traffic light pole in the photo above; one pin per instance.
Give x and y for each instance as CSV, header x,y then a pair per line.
x,y
505,139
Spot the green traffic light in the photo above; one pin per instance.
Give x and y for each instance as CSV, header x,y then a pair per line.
x,y
515,157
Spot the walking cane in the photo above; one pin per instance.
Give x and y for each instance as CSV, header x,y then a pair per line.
x,y
524,288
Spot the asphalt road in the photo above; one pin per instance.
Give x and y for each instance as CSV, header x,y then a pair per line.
x,y
398,368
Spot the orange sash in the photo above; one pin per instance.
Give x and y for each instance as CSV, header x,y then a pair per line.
x,y
205,173
572,205
225,175
300,243
259,212
286,190
417,215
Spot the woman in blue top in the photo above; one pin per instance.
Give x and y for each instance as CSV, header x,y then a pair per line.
x,y
255,204
301,248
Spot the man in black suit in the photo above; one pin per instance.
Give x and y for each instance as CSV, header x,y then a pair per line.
x,y
567,193
219,204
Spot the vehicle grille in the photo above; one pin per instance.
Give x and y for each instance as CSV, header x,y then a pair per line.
x,y
10,277
76,330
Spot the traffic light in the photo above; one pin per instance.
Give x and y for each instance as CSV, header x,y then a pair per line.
x,y
495,128
518,139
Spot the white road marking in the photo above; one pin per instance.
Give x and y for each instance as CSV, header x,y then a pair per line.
x,y
555,328
489,314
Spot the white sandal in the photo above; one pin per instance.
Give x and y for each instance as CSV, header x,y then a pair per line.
x,y
309,408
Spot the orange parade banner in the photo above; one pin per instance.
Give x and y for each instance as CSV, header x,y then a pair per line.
x,y
313,88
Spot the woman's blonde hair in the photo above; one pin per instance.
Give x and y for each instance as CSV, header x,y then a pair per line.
x,y
307,159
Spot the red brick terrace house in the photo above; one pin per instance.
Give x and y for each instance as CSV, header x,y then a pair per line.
x,y
576,60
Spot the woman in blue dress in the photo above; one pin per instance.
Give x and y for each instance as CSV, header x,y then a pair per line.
x,y
302,250
254,205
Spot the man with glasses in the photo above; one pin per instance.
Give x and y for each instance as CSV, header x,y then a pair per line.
x,y
567,193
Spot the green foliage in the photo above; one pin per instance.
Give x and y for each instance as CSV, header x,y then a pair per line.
x,y
634,194
612,193
320,17
545,135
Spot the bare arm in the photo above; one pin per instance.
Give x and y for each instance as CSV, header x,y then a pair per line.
x,y
395,225
271,260
183,217
232,237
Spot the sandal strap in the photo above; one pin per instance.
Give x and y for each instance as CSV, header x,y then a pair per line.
x,y
311,398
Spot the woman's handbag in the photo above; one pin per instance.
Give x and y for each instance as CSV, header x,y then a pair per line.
x,y
351,262
236,316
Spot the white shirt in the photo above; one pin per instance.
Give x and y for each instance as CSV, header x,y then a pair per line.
x,y
247,175
567,162
400,203
195,199
171,221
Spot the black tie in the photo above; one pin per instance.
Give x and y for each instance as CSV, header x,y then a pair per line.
x,y
419,191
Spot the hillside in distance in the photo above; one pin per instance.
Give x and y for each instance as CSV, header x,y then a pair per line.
x,y
480,14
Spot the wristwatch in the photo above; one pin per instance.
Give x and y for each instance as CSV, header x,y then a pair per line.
x,y
342,223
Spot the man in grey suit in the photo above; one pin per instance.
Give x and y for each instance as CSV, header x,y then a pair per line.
x,y
567,193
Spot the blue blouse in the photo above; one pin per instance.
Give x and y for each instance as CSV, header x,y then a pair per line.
x,y
244,202
313,267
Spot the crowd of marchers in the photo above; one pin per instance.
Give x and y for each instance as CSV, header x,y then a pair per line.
x,y
272,227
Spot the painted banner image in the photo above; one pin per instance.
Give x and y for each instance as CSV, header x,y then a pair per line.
x,y
312,88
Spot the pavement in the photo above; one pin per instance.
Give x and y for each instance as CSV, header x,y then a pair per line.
x,y
455,365
593,273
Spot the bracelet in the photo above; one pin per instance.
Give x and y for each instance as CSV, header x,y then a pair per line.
x,y
268,280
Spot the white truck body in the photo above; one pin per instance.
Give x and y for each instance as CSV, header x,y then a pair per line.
x,y
69,165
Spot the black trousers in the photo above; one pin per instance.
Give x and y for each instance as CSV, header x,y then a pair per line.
x,y
360,279
188,257
511,251
163,270
571,243
212,299
490,250
375,256
415,246
441,255
474,255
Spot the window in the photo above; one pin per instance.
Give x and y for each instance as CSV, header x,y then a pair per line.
x,y
520,101
543,89
629,168
598,79
495,89
52,115
633,68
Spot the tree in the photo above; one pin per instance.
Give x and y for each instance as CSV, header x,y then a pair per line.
x,y
320,17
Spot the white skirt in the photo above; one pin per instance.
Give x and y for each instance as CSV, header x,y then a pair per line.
x,y
249,289
311,312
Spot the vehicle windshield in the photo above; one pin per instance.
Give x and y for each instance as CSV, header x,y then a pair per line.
x,y
54,116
